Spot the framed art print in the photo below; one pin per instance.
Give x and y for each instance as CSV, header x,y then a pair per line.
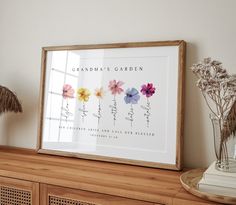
x,y
114,102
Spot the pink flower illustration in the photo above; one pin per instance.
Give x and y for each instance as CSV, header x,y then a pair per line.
x,y
115,87
68,91
148,90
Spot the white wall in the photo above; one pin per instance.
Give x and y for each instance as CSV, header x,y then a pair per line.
x,y
208,26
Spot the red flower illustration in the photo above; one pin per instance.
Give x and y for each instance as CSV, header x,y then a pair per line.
x,y
148,90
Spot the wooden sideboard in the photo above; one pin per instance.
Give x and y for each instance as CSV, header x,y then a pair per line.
x,y
28,178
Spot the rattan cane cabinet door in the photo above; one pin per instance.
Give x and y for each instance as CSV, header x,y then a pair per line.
x,y
18,192
54,195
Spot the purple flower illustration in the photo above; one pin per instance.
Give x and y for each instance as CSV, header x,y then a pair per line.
x,y
131,96
148,90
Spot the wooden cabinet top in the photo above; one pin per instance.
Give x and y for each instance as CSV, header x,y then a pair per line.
x,y
141,183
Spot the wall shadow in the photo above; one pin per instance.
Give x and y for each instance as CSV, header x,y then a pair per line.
x,y
196,148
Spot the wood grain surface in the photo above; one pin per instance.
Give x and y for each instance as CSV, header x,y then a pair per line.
x,y
190,181
32,187
151,185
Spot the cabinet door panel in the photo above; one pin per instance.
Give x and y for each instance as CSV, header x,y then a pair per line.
x,y
53,195
14,191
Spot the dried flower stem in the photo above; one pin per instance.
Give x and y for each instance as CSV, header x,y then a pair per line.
x,y
219,87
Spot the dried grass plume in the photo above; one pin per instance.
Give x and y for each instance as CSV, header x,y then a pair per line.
x,y
9,101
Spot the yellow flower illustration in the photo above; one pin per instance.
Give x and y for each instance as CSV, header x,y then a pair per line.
x,y
99,93
83,94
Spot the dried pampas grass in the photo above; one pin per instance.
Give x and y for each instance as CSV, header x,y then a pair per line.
x,y
8,101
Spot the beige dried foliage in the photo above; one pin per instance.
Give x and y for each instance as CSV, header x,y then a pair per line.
x,y
218,89
9,101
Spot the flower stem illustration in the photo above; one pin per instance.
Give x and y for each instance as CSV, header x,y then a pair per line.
x,y
115,88
83,96
131,97
99,93
147,90
67,93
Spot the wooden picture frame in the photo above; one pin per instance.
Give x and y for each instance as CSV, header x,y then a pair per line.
x,y
115,137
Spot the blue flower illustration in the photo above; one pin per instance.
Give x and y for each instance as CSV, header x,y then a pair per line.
x,y
131,96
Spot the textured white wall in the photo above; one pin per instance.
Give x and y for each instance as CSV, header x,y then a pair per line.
x,y
208,26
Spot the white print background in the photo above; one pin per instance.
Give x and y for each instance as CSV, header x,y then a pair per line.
x,y
160,67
